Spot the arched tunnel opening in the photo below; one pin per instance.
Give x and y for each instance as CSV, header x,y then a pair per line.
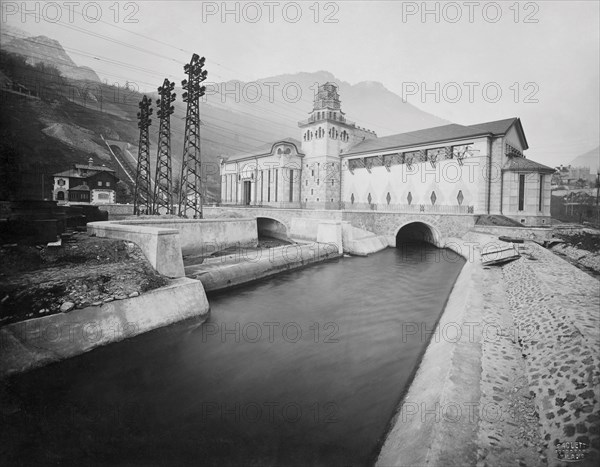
x,y
271,232
415,233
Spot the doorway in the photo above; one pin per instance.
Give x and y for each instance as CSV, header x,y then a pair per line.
x,y
247,192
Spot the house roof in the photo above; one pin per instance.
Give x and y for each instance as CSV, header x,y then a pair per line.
x,y
98,168
264,149
521,164
436,134
71,173
83,187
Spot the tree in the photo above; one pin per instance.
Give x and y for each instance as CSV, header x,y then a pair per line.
x,y
123,193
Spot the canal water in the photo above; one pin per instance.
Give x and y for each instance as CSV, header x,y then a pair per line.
x,y
306,368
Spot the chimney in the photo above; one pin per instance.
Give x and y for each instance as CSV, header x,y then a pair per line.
x,y
90,161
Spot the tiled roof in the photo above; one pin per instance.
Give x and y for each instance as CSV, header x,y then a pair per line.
x,y
527,165
98,168
264,149
433,135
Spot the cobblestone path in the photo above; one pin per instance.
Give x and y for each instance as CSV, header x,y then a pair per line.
x,y
556,308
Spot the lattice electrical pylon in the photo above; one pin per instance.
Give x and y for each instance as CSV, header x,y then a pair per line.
x,y
142,198
163,188
190,190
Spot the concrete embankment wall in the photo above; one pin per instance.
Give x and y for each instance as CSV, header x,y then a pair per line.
x,y
165,241
117,211
206,236
160,246
263,263
412,435
40,341
511,371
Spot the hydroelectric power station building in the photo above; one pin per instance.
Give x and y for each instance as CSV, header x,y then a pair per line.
x,y
450,169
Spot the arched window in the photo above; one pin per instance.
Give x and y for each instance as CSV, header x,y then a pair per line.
x,y
60,196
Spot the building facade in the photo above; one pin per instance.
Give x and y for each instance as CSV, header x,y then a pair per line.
x,y
453,169
87,184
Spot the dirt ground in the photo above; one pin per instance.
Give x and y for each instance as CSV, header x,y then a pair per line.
x,y
39,280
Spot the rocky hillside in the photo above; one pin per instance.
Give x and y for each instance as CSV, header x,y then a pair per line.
x,y
42,49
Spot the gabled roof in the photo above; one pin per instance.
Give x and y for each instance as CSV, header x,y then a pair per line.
x,y
436,134
97,168
520,164
265,149
83,187
501,127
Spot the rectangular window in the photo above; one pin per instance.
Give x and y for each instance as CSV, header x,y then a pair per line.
x,y
107,184
99,183
291,185
521,192
262,185
541,200
276,182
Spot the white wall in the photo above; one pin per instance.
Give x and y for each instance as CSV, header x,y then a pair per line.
x,y
446,180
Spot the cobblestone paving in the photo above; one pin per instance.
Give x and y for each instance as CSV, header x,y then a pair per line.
x,y
508,427
556,309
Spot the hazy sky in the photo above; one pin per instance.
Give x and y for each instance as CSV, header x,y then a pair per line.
x,y
543,57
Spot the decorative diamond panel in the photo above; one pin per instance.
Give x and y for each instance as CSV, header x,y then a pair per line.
x,y
460,197
433,197
388,198
369,198
409,198
352,198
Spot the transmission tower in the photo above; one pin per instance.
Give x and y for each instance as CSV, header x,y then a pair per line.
x,y
162,181
190,190
142,198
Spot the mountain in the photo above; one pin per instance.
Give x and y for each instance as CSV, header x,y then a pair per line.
x,y
589,159
286,99
42,49
49,125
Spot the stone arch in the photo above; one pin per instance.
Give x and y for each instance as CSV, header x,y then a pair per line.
x,y
272,227
418,231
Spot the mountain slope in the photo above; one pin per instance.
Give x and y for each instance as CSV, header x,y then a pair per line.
x,y
42,49
589,159
68,123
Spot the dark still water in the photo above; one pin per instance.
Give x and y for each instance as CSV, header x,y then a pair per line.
x,y
303,369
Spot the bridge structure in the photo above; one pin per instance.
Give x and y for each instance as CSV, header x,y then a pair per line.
x,y
434,228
